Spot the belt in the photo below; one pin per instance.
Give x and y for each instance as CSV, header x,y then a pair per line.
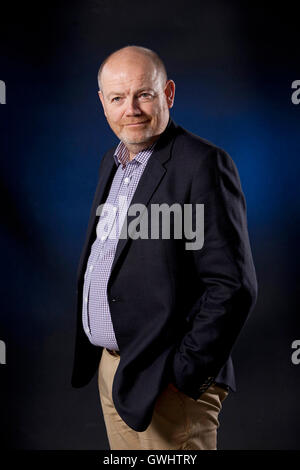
x,y
113,352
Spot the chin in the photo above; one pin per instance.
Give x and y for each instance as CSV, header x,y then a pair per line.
x,y
129,139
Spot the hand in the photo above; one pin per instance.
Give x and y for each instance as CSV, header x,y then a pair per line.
x,y
173,387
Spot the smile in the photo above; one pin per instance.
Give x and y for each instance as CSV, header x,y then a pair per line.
x,y
137,124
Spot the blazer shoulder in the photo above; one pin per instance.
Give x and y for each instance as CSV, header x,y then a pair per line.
x,y
201,155
203,160
107,155
195,147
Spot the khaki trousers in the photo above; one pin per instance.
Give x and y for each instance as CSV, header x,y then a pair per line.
x,y
179,422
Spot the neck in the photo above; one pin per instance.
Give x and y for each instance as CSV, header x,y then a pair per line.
x,y
134,149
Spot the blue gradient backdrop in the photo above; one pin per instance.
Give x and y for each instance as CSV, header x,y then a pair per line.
x,y
233,68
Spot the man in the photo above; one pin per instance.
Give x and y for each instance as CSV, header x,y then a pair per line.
x,y
157,317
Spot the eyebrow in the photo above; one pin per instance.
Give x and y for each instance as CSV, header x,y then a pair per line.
x,y
122,94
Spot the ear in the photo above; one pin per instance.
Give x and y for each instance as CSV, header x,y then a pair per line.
x,y
102,100
170,92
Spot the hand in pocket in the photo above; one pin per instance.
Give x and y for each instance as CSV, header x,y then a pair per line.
x,y
172,386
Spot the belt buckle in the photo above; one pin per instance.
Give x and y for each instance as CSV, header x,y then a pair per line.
x,y
113,352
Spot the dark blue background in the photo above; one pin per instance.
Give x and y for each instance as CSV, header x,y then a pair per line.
x,y
233,67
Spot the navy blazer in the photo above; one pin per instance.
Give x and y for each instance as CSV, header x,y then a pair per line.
x,y
176,313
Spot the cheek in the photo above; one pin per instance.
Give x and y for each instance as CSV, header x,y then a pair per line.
x,y
149,109
157,110
115,115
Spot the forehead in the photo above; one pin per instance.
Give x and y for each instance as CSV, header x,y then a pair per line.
x,y
129,74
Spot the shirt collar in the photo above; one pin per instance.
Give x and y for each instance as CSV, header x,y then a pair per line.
x,y
121,154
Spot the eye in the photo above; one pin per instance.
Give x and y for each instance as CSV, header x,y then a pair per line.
x,y
145,95
116,99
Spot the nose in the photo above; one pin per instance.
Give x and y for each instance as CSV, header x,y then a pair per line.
x,y
132,107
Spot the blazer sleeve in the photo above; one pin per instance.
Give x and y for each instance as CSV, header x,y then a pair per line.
x,y
225,275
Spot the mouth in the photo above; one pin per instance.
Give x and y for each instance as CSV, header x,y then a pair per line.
x,y
136,124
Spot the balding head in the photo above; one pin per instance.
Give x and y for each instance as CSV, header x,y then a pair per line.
x,y
137,54
135,95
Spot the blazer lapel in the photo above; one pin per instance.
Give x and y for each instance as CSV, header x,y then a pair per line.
x,y
148,183
150,179
107,173
105,178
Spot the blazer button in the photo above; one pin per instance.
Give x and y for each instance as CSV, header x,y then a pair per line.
x,y
114,300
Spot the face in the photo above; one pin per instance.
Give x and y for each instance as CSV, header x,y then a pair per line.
x,y
135,100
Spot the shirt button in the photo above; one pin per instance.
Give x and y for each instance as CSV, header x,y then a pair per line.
x,y
126,180
115,209
103,237
86,299
87,330
91,267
